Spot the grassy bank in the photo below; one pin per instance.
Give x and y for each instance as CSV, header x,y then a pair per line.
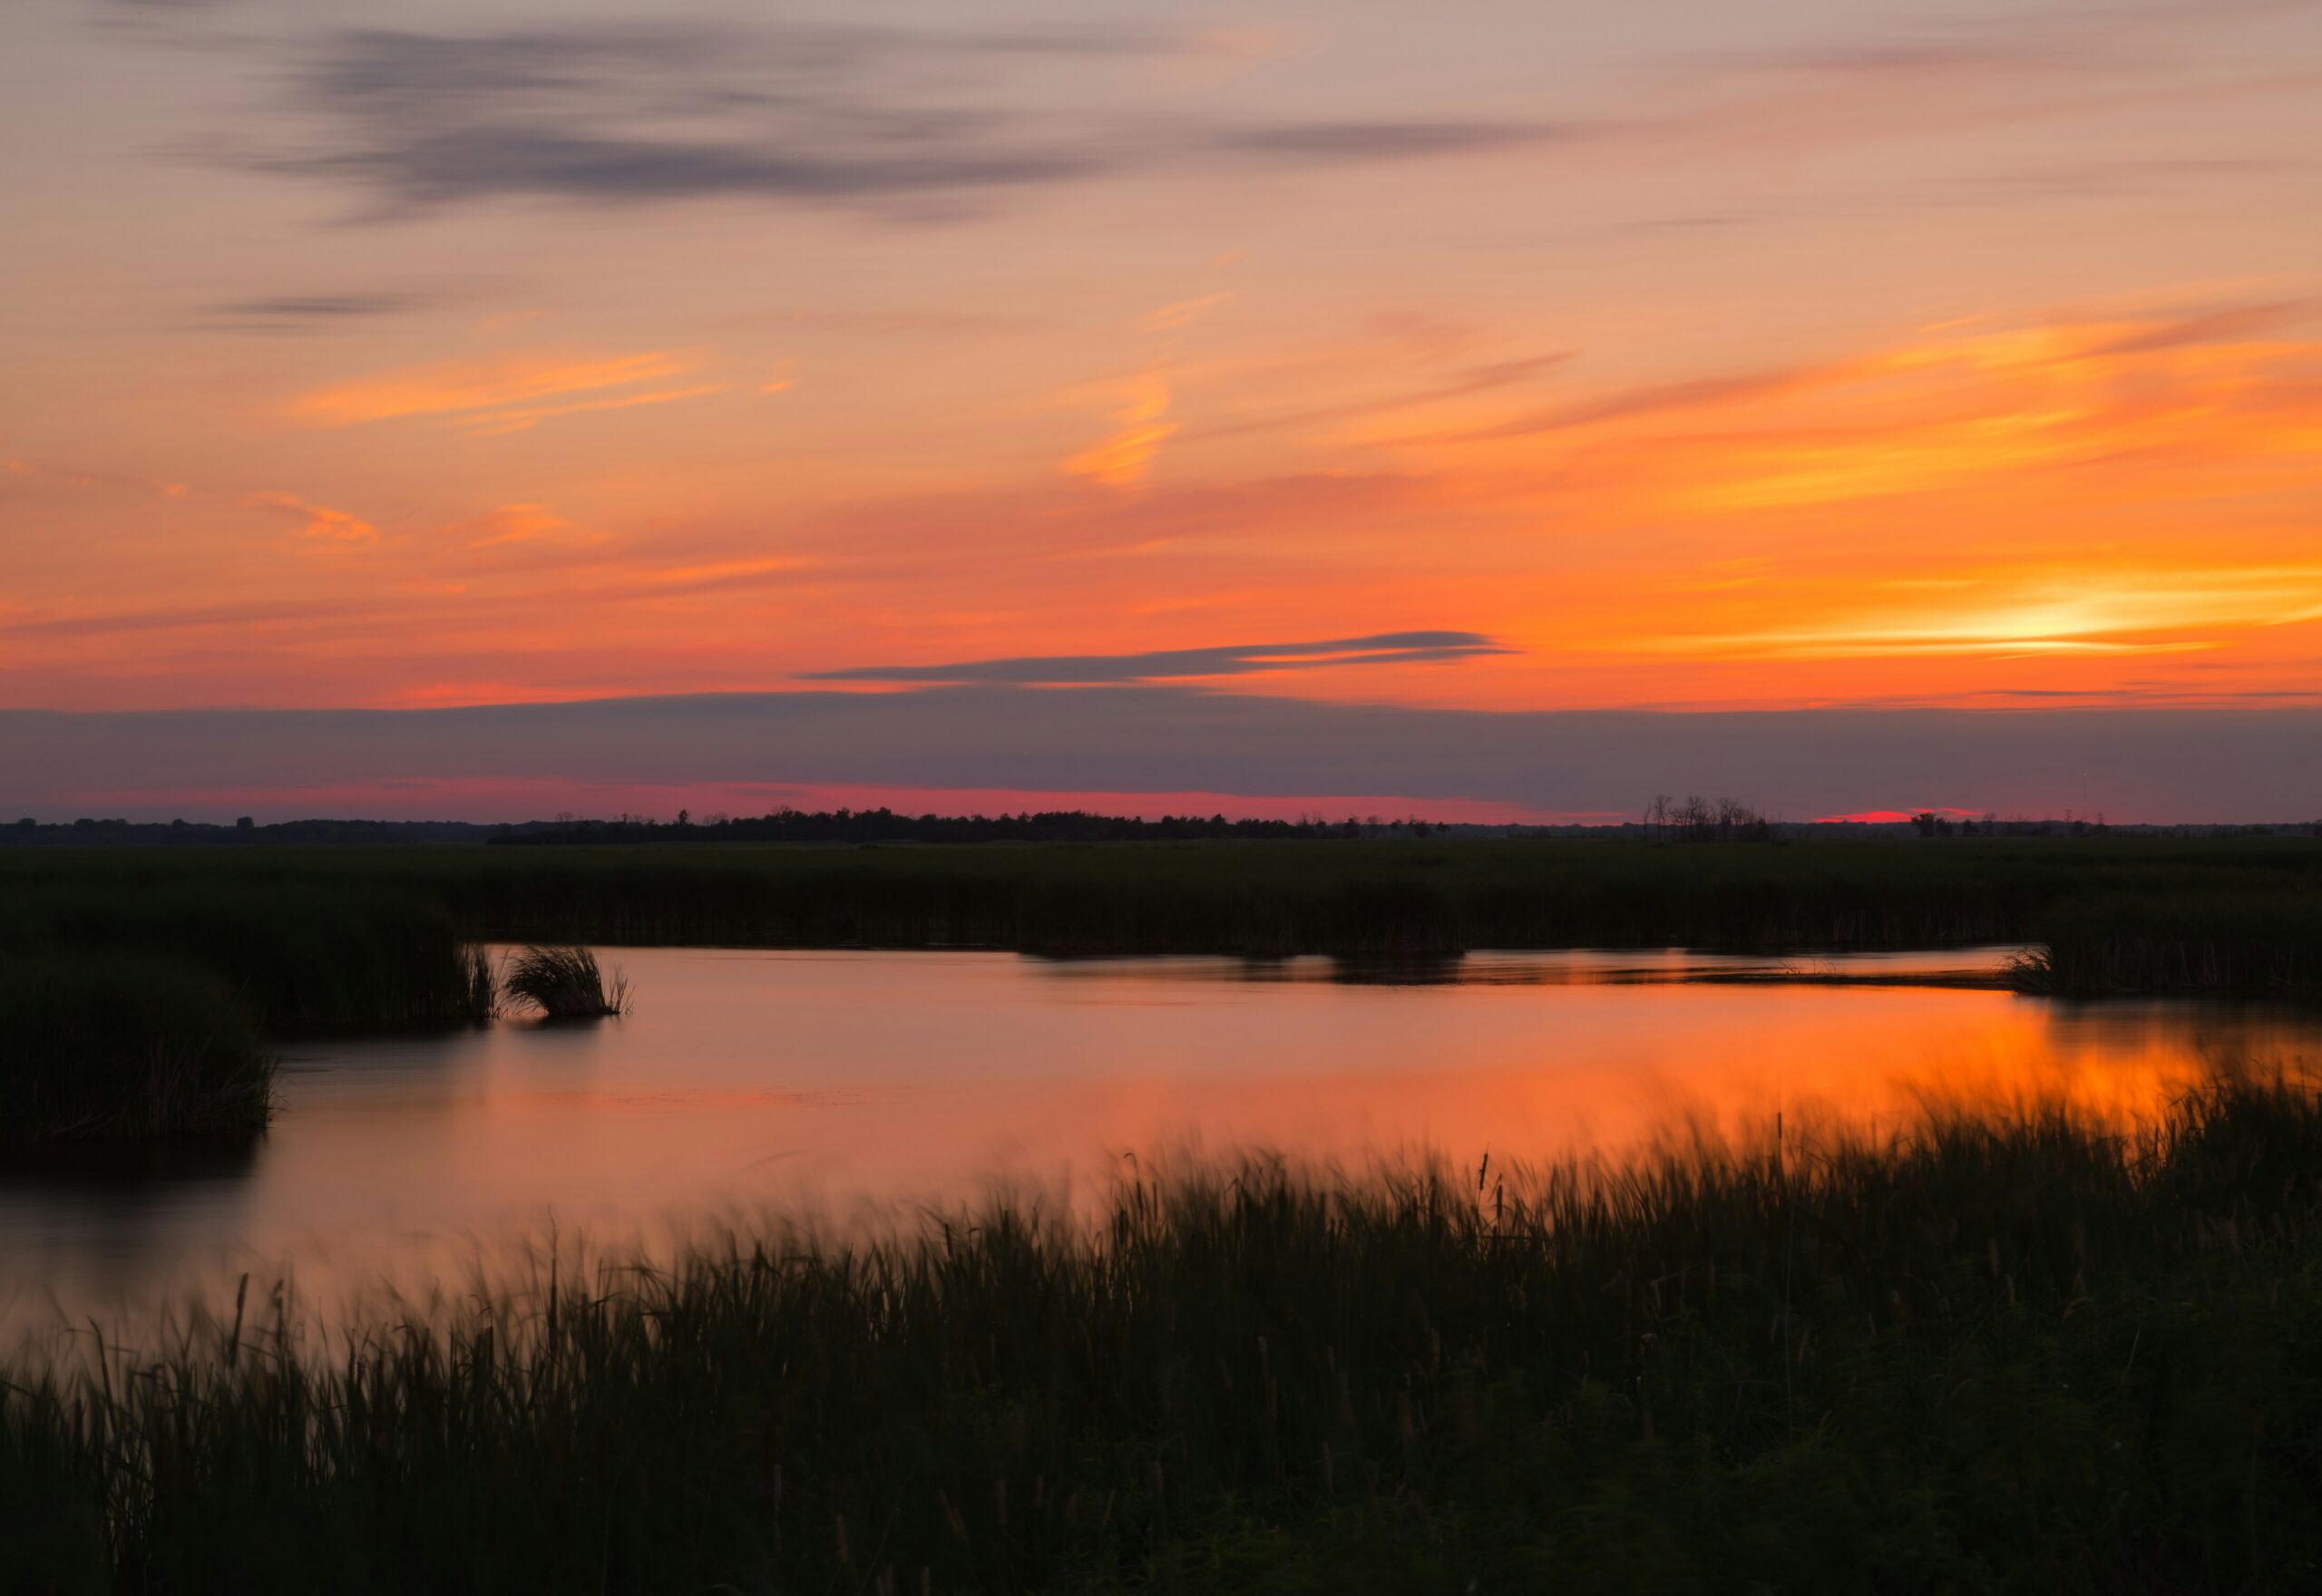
x,y
302,955
1255,899
2029,1356
131,1004
125,1046
2199,943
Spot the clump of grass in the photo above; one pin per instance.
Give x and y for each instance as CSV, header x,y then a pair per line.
x,y
563,983
126,1047
2036,1354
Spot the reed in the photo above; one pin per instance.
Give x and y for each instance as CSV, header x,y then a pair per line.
x,y
2196,944
2039,1353
303,955
125,1047
563,983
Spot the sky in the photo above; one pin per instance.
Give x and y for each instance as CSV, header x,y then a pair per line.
x,y
1484,359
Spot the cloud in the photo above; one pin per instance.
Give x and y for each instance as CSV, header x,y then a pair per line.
x,y
2228,325
511,523
464,387
1473,380
288,313
2087,613
1329,141
2144,764
1122,460
498,423
807,114
1181,664
318,523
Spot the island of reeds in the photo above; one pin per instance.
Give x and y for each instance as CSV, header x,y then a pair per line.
x,y
2034,1353
131,1006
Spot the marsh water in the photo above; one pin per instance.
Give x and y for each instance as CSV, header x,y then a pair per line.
x,y
821,1080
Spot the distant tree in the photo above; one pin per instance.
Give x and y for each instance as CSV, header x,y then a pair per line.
x,y
244,824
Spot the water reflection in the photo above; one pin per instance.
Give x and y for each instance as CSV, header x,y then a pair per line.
x,y
1952,967
749,1076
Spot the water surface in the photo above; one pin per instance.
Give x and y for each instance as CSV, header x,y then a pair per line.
x,y
745,1078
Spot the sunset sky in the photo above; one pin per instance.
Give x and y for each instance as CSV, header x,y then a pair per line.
x,y
1782,355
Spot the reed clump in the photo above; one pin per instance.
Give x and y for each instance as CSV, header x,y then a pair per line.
x,y
125,1047
2039,1353
563,983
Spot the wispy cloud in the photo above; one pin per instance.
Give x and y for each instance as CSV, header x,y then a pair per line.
x,y
304,313
809,113
318,523
495,393
1183,663
1122,459
2116,613
499,423
513,523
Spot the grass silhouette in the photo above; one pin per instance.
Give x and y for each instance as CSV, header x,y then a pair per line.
x,y
2038,1352
125,1046
563,983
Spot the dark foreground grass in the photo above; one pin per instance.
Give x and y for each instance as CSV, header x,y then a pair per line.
x,y
2029,1356
125,1047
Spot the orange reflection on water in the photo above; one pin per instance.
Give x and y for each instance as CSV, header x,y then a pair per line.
x,y
816,1079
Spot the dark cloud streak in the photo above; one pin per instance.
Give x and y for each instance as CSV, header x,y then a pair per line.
x,y
1181,664
824,114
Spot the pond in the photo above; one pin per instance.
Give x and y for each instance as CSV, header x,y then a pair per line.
x,y
818,1081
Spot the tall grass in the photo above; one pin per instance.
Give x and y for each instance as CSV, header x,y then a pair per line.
x,y
2039,1355
302,956
125,1047
563,983
2197,944
129,1006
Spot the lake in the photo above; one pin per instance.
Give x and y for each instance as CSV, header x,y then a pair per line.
x,y
818,1081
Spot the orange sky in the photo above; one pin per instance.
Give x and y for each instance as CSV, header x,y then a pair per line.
x,y
1773,355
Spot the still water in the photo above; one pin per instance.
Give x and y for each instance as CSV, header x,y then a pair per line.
x,y
827,1078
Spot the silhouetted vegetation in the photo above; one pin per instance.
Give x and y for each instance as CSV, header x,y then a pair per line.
x,y
2033,1355
1703,820
303,955
886,825
1666,819
2197,943
1410,897
124,1046
129,1000
563,983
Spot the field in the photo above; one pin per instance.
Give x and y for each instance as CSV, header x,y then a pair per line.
x,y
2035,1354
1255,899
